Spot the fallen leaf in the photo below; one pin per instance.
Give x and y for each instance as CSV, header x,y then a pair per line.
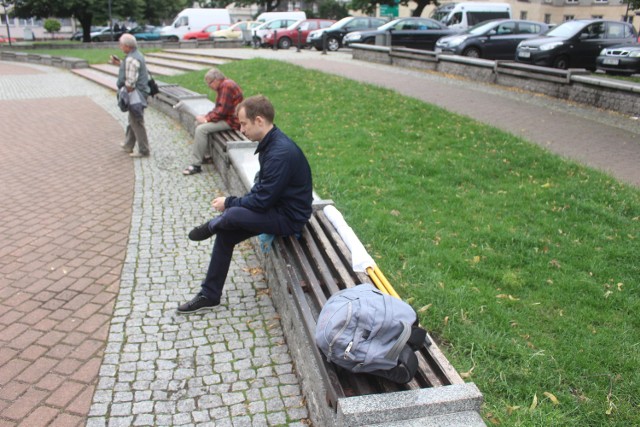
x,y
511,409
395,212
547,185
620,285
534,403
446,320
425,308
476,259
552,398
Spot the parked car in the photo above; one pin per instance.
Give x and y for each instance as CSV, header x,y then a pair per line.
x,y
268,27
106,35
623,59
336,32
575,44
298,31
491,40
234,32
77,36
416,33
146,32
204,33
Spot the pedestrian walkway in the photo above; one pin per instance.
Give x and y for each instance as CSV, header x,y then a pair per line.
x,y
94,260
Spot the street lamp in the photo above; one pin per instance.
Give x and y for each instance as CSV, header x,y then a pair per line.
x,y
5,5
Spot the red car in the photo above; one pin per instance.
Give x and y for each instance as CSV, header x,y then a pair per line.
x,y
4,39
297,31
205,32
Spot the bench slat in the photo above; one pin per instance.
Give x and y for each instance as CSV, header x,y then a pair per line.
x,y
320,235
306,270
322,267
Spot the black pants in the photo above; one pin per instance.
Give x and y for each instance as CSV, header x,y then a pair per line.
x,y
232,227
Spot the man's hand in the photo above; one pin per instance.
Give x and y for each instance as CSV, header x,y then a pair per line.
x,y
201,119
218,203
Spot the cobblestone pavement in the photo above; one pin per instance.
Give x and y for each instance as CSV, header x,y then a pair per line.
x,y
94,260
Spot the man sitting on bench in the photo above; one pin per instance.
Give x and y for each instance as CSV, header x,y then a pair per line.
x,y
222,117
278,203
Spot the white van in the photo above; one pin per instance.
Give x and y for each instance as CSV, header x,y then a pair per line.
x,y
194,20
270,16
461,16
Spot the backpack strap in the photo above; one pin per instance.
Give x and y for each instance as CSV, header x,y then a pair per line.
x,y
394,351
417,338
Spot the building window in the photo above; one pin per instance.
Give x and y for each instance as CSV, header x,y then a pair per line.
x,y
572,1
596,16
602,1
547,18
523,14
566,18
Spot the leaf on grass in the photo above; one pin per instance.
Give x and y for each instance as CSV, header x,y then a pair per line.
x,y
509,297
424,308
446,320
620,285
534,403
546,185
554,263
552,398
607,294
512,409
395,212
476,259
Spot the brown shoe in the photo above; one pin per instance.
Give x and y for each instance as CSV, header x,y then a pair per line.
x,y
138,154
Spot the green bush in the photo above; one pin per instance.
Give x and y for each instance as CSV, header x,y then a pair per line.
x,y
52,26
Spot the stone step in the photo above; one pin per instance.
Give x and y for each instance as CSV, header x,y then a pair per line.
x,y
153,69
209,61
179,65
219,54
97,76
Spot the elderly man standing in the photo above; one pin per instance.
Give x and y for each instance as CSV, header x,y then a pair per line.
x,y
133,75
222,117
279,202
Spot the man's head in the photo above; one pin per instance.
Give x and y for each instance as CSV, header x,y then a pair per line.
x,y
255,115
128,43
213,78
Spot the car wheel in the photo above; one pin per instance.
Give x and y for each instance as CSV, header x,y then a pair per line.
x,y
284,43
370,41
333,44
561,62
471,52
95,39
173,39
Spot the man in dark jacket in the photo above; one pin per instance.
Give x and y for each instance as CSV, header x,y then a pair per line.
x,y
279,202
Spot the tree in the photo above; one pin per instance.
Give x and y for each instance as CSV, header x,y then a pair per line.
x,y
52,26
331,9
263,5
369,6
88,11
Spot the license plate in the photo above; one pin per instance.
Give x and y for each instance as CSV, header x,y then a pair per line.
x,y
611,61
437,50
524,54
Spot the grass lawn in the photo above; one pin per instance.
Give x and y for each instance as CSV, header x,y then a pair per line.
x,y
523,265
93,56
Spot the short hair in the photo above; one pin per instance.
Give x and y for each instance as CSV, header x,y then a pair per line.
x,y
128,40
213,74
258,105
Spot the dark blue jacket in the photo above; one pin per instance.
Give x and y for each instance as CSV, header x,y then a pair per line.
x,y
284,181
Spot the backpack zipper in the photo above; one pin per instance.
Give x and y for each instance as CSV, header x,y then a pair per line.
x,y
336,336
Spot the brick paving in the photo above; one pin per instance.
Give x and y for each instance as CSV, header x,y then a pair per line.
x,y
94,260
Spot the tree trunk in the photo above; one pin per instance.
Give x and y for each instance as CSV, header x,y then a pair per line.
x,y
85,20
421,4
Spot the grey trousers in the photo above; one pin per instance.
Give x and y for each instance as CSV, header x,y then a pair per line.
x,y
201,143
136,132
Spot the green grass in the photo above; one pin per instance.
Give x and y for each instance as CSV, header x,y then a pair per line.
x,y
93,56
523,265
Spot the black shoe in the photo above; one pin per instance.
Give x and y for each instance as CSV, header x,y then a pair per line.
x,y
207,161
200,233
198,303
192,170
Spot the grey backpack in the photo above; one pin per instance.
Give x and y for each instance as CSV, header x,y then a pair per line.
x,y
363,330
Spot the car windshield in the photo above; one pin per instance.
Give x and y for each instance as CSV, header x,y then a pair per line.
x,y
295,25
566,29
341,23
481,28
390,24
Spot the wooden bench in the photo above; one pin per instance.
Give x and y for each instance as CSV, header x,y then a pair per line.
x,y
318,264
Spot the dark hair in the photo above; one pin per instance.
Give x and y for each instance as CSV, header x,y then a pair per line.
x,y
258,105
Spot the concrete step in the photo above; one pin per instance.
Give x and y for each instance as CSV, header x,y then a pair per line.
x,y
179,65
208,61
218,54
155,70
97,76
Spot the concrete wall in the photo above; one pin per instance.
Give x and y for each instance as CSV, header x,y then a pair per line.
x,y
576,85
